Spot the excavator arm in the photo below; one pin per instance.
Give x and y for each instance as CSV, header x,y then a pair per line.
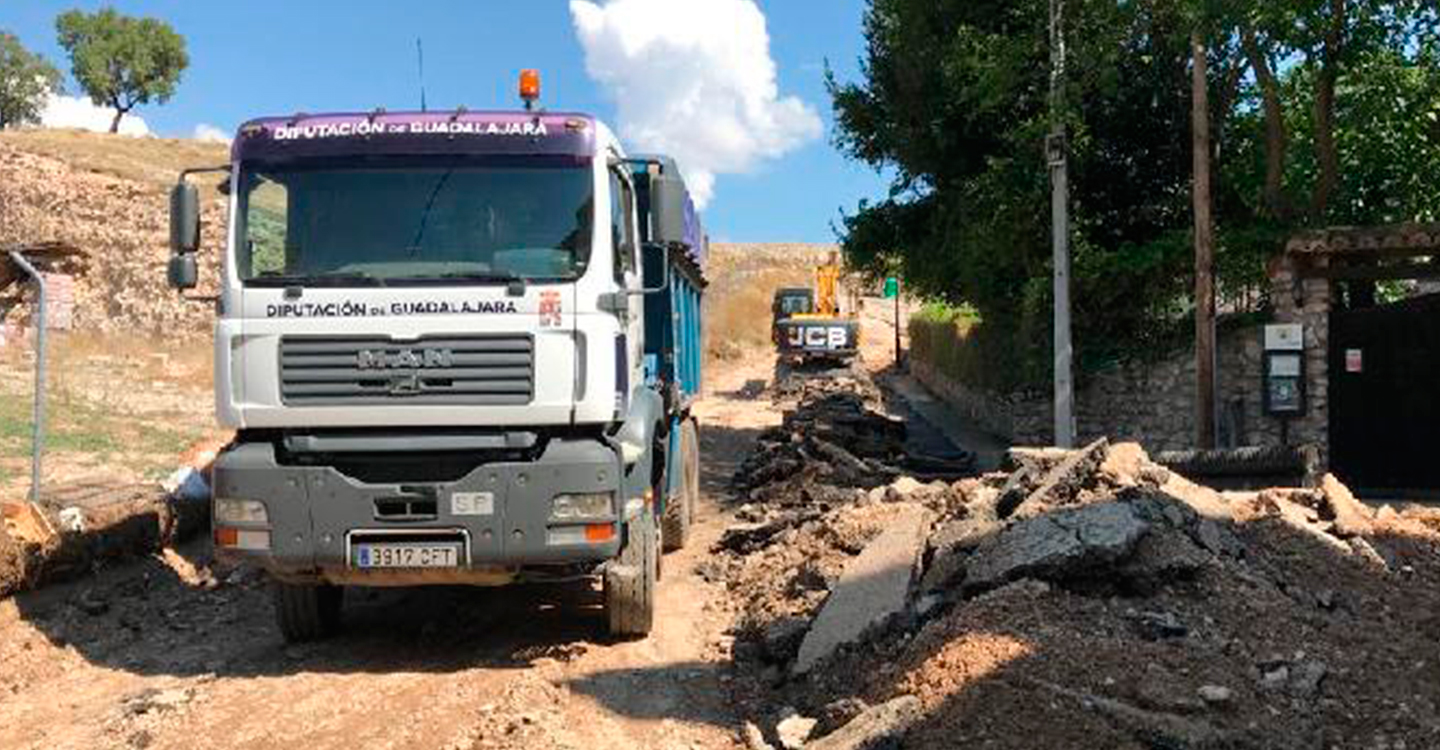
x,y
827,290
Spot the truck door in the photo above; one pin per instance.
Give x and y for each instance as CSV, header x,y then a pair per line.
x,y
625,243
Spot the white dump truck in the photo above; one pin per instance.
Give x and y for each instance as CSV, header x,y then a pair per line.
x,y
457,348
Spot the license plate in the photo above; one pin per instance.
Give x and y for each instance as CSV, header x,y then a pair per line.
x,y
407,556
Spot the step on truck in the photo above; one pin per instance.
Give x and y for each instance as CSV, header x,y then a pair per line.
x,y
457,348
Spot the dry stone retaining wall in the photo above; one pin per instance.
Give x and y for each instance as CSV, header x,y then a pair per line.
x,y
1147,402
122,227
1153,402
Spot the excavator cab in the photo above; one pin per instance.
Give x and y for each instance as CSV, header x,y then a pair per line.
x,y
789,302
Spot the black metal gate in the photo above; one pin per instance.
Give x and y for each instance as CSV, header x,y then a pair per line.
x,y
1385,397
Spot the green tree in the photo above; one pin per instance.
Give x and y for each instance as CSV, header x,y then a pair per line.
x,y
121,61
954,99
25,80
1321,111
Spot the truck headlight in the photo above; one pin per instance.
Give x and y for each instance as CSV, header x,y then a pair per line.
x,y
231,510
582,505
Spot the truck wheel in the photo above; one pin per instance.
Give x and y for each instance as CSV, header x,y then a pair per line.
x,y
307,612
630,581
680,513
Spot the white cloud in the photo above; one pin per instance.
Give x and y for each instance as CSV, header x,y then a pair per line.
x,y
210,134
62,111
693,80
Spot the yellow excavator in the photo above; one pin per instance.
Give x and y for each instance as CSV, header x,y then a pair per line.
x,y
808,324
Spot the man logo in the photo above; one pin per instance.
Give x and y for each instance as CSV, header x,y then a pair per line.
x,y
403,359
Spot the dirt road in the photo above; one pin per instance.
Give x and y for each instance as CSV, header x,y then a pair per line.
x,y
165,653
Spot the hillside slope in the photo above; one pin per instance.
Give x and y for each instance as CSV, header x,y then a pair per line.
x,y
106,195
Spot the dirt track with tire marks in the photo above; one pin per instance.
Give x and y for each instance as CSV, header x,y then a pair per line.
x,y
165,651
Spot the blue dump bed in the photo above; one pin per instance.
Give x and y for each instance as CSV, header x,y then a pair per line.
x,y
673,321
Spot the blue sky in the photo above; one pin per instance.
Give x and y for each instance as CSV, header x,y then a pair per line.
x,y
268,57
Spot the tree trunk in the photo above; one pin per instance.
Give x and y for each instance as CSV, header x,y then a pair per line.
x,y
1325,154
115,122
1225,102
1275,138
1230,77
1204,250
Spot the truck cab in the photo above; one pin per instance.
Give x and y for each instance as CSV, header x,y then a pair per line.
x,y
456,348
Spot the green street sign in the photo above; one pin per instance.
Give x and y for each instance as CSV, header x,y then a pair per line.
x,y
892,287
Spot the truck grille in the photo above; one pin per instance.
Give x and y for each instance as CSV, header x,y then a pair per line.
x,y
476,369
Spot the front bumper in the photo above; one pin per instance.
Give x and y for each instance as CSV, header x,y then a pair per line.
x,y
316,515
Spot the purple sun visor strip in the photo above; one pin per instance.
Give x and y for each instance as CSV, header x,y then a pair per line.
x,y
416,133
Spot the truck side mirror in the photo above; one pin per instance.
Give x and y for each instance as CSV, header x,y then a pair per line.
x,y
184,235
184,219
183,272
670,208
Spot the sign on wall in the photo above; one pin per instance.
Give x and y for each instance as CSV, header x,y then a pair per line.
x,y
1288,337
1284,370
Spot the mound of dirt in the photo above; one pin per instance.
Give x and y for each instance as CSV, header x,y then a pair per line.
x,y
1093,598
90,526
12,563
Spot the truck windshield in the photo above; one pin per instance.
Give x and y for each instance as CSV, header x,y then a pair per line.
x,y
393,222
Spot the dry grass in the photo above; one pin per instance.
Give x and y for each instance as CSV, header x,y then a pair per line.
x,y
118,409
739,317
152,161
743,282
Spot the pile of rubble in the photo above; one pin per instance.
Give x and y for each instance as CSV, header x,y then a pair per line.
x,y
833,440
832,447
796,384
1085,598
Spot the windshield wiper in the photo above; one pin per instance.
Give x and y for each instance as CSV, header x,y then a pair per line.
x,y
487,277
318,280
425,215
474,277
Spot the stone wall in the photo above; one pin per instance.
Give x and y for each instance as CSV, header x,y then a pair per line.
x,y
1148,402
1154,402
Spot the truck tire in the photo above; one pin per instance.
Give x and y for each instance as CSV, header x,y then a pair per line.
x,y
680,512
630,582
307,612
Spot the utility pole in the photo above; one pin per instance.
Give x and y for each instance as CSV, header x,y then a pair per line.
x,y
897,324
1204,249
1056,153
